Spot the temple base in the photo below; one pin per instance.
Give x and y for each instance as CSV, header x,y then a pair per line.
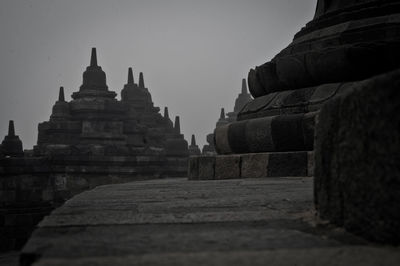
x,y
251,165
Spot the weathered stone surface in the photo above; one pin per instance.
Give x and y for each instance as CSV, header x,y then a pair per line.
x,y
219,222
24,200
193,171
268,134
311,163
222,140
254,165
227,167
288,164
357,160
367,256
354,42
206,167
259,135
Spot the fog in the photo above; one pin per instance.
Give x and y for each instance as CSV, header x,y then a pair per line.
x,y
194,53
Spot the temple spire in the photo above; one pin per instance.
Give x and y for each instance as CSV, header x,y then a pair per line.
x,y
130,76
177,125
61,97
141,80
166,113
11,129
193,142
93,58
222,116
244,86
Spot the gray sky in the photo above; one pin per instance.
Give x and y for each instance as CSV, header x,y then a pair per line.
x,y
194,53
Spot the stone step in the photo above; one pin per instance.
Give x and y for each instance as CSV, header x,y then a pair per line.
x,y
251,165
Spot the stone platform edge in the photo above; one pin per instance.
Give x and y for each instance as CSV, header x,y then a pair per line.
x,y
251,165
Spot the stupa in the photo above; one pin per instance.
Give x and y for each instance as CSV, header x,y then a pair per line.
x,y
193,148
11,146
243,98
95,134
325,106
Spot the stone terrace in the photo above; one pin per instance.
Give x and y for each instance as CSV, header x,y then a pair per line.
x,y
179,222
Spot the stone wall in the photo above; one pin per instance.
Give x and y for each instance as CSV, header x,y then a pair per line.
x,y
251,165
31,187
28,192
357,156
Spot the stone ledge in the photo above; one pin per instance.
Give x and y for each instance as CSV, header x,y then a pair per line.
x,y
251,165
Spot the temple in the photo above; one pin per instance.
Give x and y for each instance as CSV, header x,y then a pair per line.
x,y
93,139
325,107
11,146
193,148
95,133
242,99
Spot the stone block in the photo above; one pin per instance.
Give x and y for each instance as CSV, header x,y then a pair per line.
x,y
258,135
227,167
193,168
206,167
287,133
308,125
311,164
26,182
284,164
8,196
254,165
357,173
221,139
237,137
47,195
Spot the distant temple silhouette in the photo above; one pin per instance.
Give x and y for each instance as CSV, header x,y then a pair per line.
x,y
96,139
243,98
93,139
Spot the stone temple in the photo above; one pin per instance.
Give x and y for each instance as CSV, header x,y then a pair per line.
x,y
92,140
243,98
95,133
326,106
323,123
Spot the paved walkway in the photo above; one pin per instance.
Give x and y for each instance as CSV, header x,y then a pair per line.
x,y
179,222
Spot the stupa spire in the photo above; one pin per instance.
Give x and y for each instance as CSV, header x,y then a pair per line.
x,y
177,125
141,80
130,76
93,58
166,113
193,142
12,145
222,116
11,129
61,97
244,86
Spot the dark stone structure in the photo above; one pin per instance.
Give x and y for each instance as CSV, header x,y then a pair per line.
x,y
193,148
243,98
11,146
27,192
92,140
357,175
95,134
341,62
345,42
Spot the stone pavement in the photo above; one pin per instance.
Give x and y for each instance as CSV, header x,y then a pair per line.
x,y
179,222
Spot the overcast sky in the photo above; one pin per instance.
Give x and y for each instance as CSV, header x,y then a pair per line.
x,y
194,53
